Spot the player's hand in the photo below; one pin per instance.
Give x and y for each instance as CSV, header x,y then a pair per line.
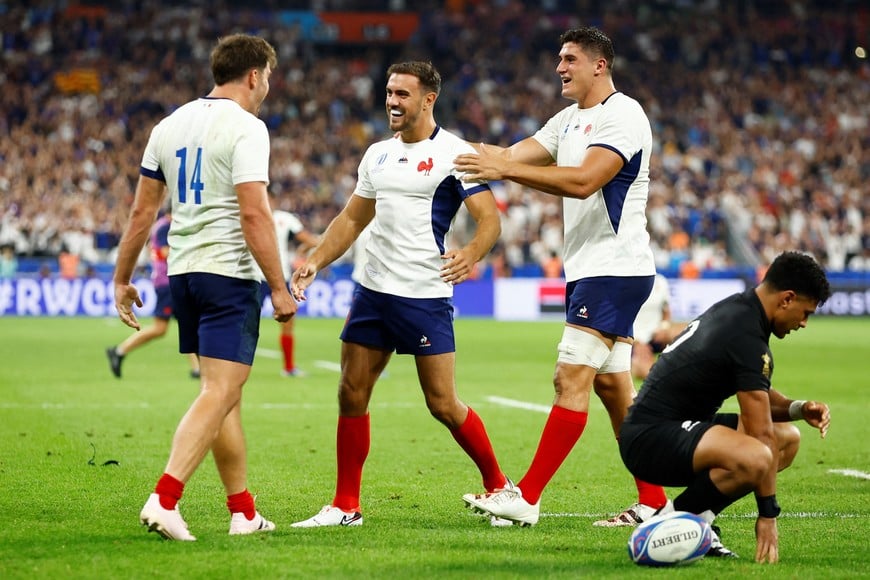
x,y
457,267
485,165
766,541
302,278
818,415
284,305
126,295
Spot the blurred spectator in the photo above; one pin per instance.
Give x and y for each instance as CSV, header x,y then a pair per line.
x,y
760,113
8,262
68,264
861,262
552,266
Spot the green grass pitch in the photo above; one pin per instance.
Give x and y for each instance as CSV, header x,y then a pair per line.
x,y
66,513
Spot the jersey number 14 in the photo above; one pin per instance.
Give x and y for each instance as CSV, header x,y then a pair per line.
x,y
196,184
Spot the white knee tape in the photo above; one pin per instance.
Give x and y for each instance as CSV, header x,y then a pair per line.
x,y
581,348
619,359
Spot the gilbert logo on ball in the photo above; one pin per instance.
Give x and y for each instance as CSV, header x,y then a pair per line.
x,y
674,538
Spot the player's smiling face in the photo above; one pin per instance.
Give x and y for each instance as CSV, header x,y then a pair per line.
x,y
576,70
405,100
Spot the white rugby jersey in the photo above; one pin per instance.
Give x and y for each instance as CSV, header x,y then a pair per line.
x,y
417,193
605,234
649,317
201,151
286,223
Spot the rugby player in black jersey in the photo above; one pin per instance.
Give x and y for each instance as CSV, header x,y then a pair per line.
x,y
675,436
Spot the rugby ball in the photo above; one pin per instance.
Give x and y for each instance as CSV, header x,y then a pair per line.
x,y
670,539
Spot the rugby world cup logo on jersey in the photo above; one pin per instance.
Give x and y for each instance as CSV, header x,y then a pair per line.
x,y
425,167
379,164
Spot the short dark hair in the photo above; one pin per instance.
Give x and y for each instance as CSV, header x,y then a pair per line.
x,y
235,55
591,41
800,273
424,71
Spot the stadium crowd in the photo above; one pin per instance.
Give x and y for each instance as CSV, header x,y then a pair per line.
x,y
759,112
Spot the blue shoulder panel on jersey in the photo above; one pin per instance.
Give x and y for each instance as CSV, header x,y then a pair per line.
x,y
445,203
615,191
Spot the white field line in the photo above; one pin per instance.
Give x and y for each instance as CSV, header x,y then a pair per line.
x,y
851,473
519,404
328,365
796,515
64,406
265,406
269,353
277,354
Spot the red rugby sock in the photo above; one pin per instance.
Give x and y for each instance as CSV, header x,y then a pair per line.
x,y
353,440
169,490
560,434
242,502
472,437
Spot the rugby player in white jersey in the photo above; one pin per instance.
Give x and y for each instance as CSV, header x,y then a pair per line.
x,y
595,155
287,226
408,190
653,328
212,156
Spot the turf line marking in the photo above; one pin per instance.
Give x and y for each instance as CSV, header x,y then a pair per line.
x,y
851,473
796,515
519,404
269,353
64,406
328,365
277,354
265,406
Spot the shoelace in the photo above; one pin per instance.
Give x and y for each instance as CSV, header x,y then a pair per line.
x,y
504,496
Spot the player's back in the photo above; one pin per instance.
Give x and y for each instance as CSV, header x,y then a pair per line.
x,y
203,150
719,353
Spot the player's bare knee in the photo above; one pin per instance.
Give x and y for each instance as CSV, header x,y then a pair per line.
x,y
568,386
450,412
754,464
353,398
788,440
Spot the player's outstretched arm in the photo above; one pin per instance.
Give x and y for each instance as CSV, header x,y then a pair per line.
x,y
492,163
334,242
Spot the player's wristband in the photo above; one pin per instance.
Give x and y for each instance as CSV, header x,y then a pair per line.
x,y
767,506
796,410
